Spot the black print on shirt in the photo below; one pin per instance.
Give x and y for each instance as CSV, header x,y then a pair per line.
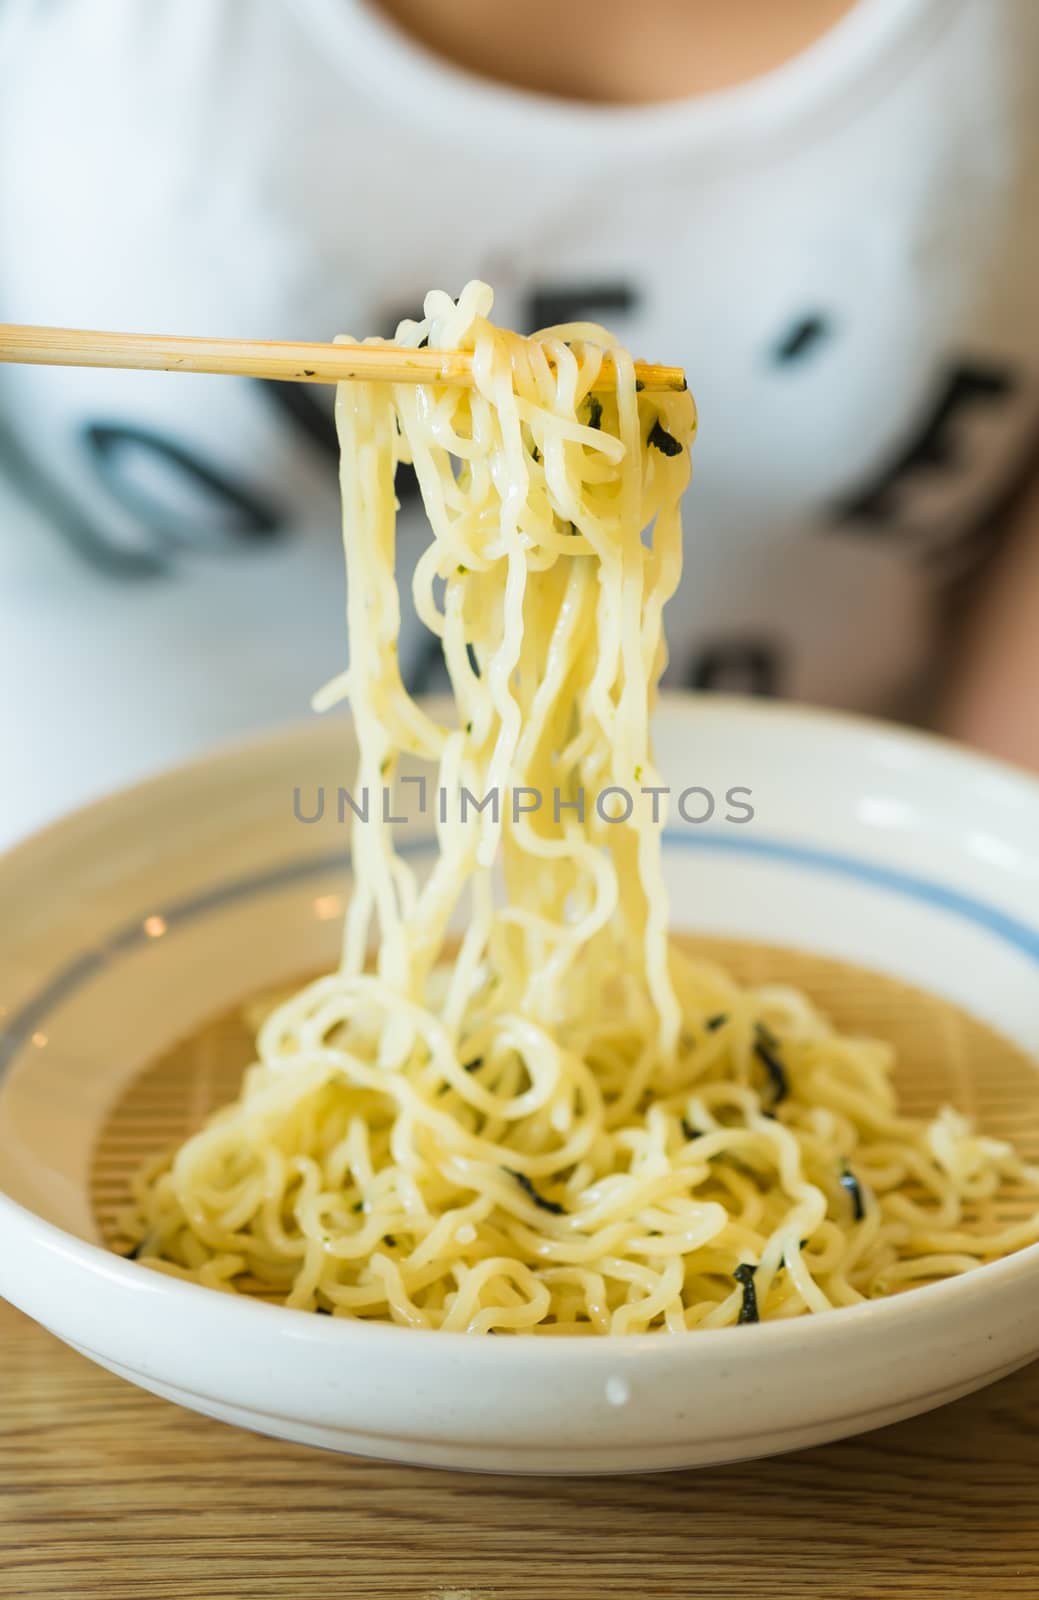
x,y
429,673
738,666
232,510
300,405
578,302
64,514
802,338
937,445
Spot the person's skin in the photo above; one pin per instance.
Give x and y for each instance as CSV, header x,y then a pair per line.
x,y
637,52
991,697
618,52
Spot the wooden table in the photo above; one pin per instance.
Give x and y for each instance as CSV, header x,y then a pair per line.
x,y
107,1491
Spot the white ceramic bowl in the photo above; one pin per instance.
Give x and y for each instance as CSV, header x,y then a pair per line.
x,y
892,850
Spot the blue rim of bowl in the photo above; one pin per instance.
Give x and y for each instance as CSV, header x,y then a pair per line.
x,y
34,1012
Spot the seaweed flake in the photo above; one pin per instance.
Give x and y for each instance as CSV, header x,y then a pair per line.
x,y
689,1132
594,411
474,1065
539,1200
718,1021
744,1275
766,1054
850,1184
663,441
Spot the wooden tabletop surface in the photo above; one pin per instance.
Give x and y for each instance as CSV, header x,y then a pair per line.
x,y
107,1491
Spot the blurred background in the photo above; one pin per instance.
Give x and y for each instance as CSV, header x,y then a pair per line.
x,y
826,211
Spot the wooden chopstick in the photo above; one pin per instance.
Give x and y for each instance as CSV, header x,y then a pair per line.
x,y
264,358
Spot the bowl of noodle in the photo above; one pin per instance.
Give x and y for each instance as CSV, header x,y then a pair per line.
x,y
121,1038
550,1078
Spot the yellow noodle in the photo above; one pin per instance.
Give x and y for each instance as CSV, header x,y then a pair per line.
x,y
565,1127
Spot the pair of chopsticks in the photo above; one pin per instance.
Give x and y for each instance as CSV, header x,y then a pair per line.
x,y
263,358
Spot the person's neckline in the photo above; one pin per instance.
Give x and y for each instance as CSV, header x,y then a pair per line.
x,y
394,68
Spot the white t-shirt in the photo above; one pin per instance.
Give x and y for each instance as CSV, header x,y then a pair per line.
x,y
844,255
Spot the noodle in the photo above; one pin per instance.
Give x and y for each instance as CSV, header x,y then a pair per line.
x,y
564,1126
